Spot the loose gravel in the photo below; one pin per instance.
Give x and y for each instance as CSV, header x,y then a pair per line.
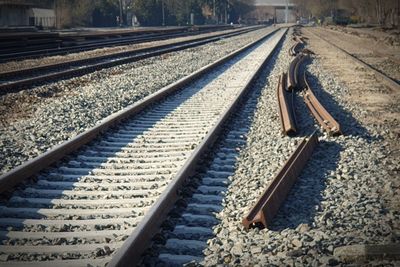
x,y
30,63
338,199
58,111
115,180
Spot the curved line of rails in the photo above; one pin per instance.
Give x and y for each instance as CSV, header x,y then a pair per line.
x,y
285,95
380,75
17,80
126,179
65,47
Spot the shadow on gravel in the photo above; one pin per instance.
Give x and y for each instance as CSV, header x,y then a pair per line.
x,y
349,125
84,172
306,195
150,256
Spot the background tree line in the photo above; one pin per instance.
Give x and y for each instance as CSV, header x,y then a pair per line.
x,y
72,13
382,12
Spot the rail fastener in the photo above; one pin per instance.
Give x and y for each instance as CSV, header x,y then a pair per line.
x,y
286,107
267,206
323,117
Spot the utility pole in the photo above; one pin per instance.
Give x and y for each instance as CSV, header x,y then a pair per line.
x,y
226,12
286,11
121,21
163,12
214,10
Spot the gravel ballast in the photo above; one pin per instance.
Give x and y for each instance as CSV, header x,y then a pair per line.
x,y
339,198
34,121
31,63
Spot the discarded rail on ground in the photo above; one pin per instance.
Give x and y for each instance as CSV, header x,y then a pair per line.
x,y
286,107
319,112
268,204
293,81
285,93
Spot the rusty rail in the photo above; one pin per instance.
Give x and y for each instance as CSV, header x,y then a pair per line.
x,y
268,204
293,49
33,166
319,112
293,73
286,110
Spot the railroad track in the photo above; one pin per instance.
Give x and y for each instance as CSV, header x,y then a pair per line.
x,y
26,78
69,47
378,74
106,200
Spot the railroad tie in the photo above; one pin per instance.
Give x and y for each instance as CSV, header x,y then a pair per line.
x,y
267,206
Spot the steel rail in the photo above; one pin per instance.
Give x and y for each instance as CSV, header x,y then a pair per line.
x,y
293,81
286,109
130,253
319,112
293,49
88,45
131,56
380,75
267,206
30,168
77,62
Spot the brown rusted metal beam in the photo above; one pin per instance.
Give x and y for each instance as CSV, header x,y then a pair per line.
x,y
293,49
286,107
293,73
319,112
268,204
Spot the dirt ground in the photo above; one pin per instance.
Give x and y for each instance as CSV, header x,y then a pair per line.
x,y
379,49
380,102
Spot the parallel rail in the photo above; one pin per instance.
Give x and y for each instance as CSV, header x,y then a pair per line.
x,y
19,79
130,253
65,43
380,75
266,207
93,167
323,117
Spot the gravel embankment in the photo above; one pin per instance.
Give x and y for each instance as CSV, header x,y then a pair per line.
x,y
34,121
339,198
30,63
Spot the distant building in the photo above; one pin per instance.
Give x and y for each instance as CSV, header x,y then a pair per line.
x,y
14,14
273,11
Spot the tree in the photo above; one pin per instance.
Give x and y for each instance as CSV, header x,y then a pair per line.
x,y
382,12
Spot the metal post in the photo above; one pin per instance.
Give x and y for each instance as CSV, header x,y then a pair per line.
x,y
214,10
226,13
121,21
286,11
163,12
